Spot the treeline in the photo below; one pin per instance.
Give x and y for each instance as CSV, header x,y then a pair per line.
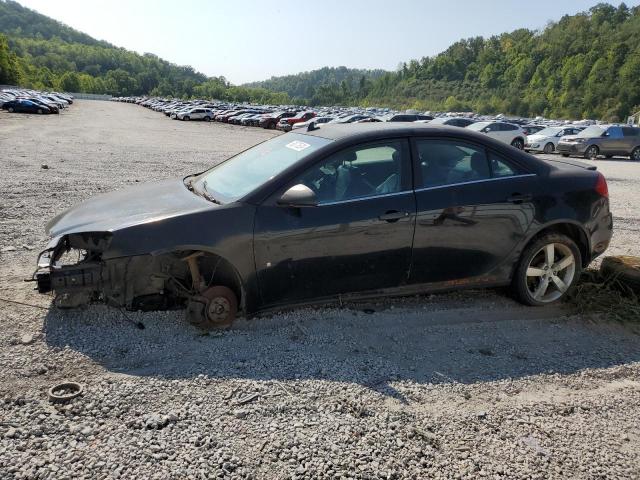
x,y
325,86
585,65
41,53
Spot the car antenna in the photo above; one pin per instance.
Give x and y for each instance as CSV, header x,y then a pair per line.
x,y
312,126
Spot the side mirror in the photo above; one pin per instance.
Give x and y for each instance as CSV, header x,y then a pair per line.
x,y
486,129
298,196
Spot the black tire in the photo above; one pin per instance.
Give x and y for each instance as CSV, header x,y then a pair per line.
x,y
635,154
625,268
10,110
608,156
518,143
207,119
186,119
549,148
591,152
523,283
565,155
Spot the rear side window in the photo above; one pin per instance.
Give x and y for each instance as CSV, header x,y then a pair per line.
x,y
630,132
501,168
614,132
446,162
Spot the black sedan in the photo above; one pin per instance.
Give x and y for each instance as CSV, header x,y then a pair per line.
x,y
337,211
25,106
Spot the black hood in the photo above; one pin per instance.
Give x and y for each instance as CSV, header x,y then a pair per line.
x,y
146,203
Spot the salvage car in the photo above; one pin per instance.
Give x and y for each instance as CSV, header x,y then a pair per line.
x,y
547,139
607,140
25,106
509,133
334,212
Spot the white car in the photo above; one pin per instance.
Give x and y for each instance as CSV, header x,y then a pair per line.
x,y
505,132
196,114
546,140
316,120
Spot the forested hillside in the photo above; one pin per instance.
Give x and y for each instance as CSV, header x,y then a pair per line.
x,y
323,86
39,52
584,65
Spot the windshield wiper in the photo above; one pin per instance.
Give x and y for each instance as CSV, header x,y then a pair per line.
x,y
205,193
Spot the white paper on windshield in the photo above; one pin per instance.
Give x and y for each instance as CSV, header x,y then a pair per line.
x,y
297,145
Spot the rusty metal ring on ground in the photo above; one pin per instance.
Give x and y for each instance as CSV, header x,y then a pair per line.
x,y
75,389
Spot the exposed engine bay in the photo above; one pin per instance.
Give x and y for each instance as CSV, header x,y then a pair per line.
x,y
73,268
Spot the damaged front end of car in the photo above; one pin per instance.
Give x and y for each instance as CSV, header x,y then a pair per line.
x,y
73,268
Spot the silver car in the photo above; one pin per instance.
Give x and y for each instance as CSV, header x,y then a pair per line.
x,y
607,140
196,113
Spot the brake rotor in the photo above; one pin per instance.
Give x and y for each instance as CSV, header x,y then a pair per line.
x,y
214,308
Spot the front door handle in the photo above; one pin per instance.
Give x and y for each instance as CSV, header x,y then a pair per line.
x,y
393,216
519,198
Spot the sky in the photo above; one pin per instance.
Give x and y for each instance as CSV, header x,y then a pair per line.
x,y
250,40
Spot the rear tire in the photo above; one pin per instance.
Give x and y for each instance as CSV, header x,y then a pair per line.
x,y
207,119
518,143
186,119
565,155
635,154
40,112
10,110
548,270
592,152
549,148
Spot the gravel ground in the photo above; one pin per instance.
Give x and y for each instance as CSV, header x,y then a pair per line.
x,y
460,385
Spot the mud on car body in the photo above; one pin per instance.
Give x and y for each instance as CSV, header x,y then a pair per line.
x,y
337,211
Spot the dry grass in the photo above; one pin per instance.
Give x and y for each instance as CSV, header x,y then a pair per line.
x,y
606,295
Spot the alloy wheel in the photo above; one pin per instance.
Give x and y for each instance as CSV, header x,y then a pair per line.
x,y
550,272
548,148
519,144
592,152
635,155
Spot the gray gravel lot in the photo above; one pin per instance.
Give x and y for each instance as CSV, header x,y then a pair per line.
x,y
459,385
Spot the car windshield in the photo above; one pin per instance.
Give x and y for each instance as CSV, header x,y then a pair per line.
x,y
478,126
240,175
593,131
549,131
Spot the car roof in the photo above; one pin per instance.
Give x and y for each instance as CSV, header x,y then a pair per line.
x,y
372,131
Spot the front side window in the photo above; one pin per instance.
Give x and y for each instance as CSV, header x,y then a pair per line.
x,y
446,162
357,172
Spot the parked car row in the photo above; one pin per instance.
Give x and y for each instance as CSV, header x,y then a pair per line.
x,y
33,101
582,138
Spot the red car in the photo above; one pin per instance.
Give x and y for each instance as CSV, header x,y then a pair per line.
x,y
286,124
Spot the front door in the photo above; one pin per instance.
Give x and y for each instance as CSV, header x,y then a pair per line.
x,y
359,236
473,209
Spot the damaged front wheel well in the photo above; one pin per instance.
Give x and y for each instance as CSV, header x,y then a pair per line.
x,y
217,271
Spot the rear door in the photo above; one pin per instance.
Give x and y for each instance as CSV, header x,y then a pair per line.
x,y
613,142
473,209
631,139
359,236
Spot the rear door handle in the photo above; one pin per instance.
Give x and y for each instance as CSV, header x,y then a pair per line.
x,y
393,216
519,197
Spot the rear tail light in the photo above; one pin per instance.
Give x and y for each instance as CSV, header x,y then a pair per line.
x,y
601,186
